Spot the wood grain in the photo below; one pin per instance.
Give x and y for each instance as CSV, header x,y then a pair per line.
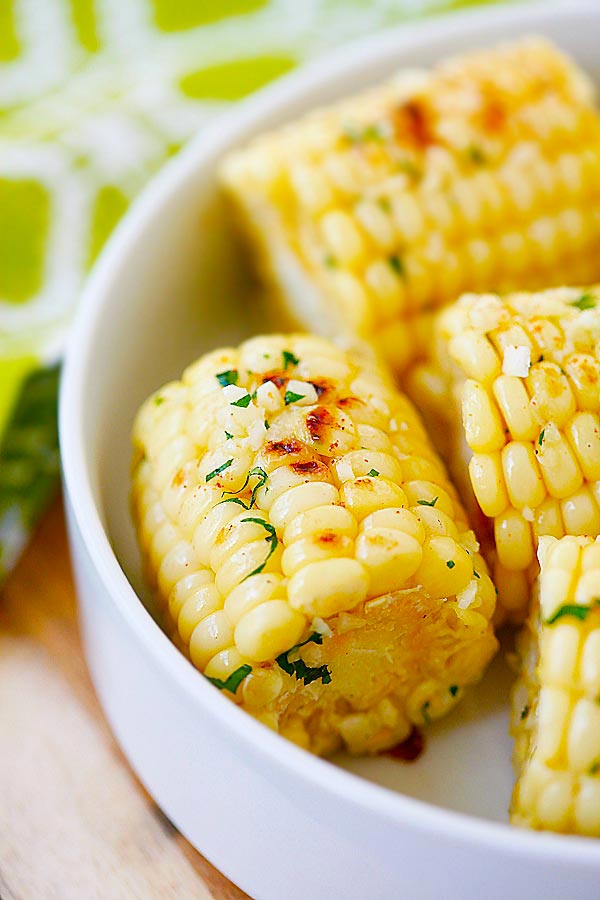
x,y
74,821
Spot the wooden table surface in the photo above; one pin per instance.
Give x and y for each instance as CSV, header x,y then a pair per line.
x,y
75,824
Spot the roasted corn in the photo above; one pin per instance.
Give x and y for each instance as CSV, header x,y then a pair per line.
x,y
308,552
482,174
556,701
526,371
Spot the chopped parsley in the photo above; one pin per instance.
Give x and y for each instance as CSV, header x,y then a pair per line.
x,y
454,689
271,539
291,397
159,400
373,473
425,711
232,683
298,667
450,563
541,437
572,609
289,359
586,301
267,426
261,476
230,376
365,134
218,470
330,261
594,768
476,154
397,265
228,436
525,712
476,574
541,357
385,204
428,502
244,401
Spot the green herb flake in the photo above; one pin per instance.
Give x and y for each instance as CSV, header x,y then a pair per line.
x,y
476,574
586,301
397,265
385,204
228,436
476,154
450,563
298,667
428,502
158,401
330,261
373,473
289,359
218,470
366,134
454,689
594,768
541,437
525,712
572,609
541,357
267,426
271,539
291,397
232,683
230,376
243,402
425,712
261,476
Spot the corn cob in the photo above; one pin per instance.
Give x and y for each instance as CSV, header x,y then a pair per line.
x,y
556,701
526,370
308,552
480,175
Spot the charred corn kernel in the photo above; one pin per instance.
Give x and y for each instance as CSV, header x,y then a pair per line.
x,y
400,199
556,715
363,496
290,563
534,432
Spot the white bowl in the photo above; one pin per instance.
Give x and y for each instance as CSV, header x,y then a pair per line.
x,y
277,821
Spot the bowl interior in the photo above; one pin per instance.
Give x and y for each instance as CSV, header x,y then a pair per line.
x,y
173,286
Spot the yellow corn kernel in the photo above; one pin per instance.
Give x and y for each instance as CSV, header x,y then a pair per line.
x,y
445,568
487,478
522,476
482,422
362,496
268,629
513,540
513,401
321,545
396,519
390,556
203,602
558,464
328,587
211,635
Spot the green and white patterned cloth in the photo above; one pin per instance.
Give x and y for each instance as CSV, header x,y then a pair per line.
x,y
94,96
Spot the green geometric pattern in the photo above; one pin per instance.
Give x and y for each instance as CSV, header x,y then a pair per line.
x,y
94,96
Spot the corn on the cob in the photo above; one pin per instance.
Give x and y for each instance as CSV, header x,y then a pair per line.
x,y
307,548
526,370
556,701
480,175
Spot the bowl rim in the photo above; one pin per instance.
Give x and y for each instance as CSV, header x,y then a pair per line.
x,y
342,786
